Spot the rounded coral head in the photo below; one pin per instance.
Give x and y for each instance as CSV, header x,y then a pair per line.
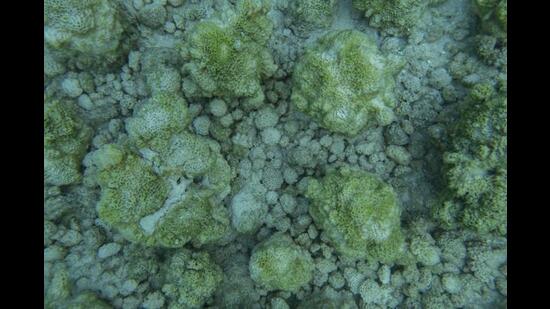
x,y
91,31
279,264
344,83
358,212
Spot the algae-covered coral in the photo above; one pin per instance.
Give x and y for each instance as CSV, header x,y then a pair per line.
x,y
278,264
358,212
476,164
228,55
275,154
344,83
398,16
66,139
87,33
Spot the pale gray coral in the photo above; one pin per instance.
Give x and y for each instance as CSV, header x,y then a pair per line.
x,y
248,208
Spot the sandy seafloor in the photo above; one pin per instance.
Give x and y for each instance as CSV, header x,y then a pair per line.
x,y
98,259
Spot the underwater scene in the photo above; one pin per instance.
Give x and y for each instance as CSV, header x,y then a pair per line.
x,y
275,154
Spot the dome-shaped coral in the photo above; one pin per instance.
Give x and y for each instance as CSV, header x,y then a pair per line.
x,y
227,55
191,278
394,16
344,83
475,162
149,209
358,212
66,138
279,264
89,31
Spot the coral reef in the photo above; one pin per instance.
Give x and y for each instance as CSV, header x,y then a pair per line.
x,y
275,154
